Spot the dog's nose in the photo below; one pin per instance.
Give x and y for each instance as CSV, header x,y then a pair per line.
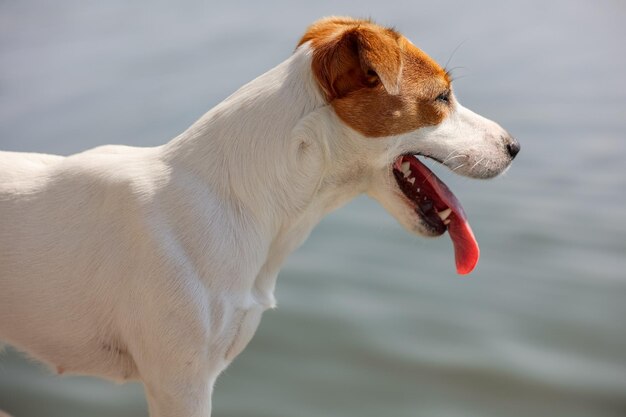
x,y
512,146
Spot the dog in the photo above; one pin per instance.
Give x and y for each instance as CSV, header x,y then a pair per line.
x,y
156,264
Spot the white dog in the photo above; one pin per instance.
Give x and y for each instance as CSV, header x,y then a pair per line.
x,y
156,264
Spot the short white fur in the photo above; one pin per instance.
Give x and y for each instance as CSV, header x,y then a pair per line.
x,y
157,263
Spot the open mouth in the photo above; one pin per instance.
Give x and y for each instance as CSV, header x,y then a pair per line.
x,y
438,208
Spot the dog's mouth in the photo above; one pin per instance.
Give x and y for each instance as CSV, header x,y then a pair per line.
x,y
438,208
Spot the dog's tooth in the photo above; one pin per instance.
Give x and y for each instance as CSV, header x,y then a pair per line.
x,y
406,169
443,215
446,222
412,181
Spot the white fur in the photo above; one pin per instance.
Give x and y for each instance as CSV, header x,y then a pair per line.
x,y
157,263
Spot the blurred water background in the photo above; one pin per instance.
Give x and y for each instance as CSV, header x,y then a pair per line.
x,y
371,321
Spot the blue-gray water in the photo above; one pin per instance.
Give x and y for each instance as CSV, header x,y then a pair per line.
x,y
372,321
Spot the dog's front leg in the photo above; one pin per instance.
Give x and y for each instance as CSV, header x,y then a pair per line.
x,y
168,398
179,383
180,361
179,380
172,344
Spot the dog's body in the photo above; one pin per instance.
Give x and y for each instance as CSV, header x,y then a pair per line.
x,y
157,263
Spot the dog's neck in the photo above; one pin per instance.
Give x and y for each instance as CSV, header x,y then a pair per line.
x,y
267,151
266,147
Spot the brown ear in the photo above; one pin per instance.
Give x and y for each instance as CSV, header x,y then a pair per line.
x,y
348,57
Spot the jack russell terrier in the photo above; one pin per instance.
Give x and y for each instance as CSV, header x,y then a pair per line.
x,y
156,264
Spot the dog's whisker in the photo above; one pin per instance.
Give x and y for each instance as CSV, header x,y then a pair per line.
x,y
454,157
458,167
449,155
479,161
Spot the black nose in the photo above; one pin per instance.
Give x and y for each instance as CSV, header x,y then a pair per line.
x,y
512,146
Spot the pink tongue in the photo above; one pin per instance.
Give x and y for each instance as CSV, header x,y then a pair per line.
x,y
466,251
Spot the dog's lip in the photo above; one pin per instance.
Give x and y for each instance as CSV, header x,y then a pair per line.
x,y
434,158
427,208
437,206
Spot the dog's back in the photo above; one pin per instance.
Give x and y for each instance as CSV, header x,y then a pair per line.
x,y
21,167
23,177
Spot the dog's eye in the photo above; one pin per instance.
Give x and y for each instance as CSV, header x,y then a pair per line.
x,y
444,97
371,78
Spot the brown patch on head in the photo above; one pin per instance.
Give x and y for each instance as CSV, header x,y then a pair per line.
x,y
376,80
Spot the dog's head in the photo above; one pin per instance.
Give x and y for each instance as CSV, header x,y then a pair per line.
x,y
398,101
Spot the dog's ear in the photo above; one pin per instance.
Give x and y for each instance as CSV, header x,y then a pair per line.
x,y
348,57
